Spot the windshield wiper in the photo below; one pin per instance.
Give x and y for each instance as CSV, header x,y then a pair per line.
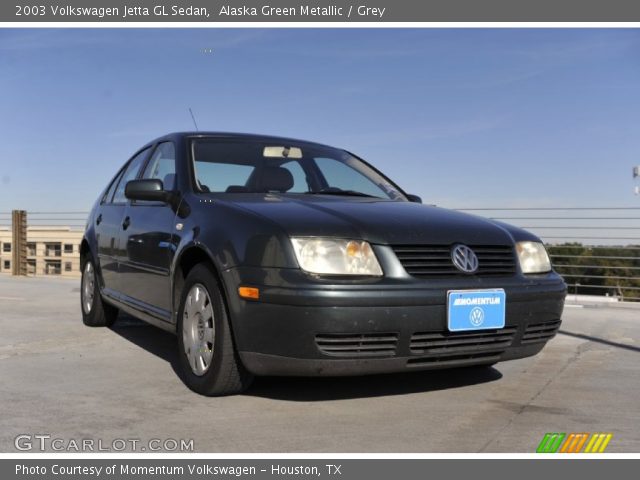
x,y
346,193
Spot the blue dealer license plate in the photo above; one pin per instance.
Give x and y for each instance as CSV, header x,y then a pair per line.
x,y
475,309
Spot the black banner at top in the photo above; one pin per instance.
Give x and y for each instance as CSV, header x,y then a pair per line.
x,y
376,11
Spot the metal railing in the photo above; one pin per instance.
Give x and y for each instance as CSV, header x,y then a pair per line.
x,y
5,219
595,249
74,220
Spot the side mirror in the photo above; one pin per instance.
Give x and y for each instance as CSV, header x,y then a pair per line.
x,y
414,198
146,189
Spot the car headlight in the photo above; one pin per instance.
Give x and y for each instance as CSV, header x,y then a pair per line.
x,y
533,257
330,256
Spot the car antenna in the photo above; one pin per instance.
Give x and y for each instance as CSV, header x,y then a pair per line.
x,y
194,119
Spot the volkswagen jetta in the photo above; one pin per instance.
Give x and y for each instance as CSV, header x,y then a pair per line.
x,y
273,256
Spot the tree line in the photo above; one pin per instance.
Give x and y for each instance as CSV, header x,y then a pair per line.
x,y
599,270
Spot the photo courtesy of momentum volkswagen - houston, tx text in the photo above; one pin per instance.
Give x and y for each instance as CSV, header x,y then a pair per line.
x,y
274,256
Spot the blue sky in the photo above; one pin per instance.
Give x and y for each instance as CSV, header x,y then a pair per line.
x,y
462,117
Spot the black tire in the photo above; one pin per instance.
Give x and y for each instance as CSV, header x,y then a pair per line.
x,y
100,313
224,374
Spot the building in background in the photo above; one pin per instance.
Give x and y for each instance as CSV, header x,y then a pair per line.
x,y
50,251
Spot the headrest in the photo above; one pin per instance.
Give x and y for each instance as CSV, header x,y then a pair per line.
x,y
276,179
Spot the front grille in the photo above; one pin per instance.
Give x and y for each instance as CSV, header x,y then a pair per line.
x,y
540,332
426,261
456,343
358,345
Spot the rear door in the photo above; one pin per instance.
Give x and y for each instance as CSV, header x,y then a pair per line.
x,y
108,221
149,240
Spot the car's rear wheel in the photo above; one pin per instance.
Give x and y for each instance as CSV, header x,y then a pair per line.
x,y
95,312
208,358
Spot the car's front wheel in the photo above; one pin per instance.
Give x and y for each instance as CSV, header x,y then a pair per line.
x,y
208,358
95,312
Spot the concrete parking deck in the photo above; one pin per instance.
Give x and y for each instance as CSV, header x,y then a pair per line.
x,y
73,382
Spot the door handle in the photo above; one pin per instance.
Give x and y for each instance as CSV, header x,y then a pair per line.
x,y
99,219
126,223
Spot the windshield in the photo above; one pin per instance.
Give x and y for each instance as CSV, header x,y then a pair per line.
x,y
229,166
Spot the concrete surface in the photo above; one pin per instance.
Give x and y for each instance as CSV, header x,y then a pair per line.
x,y
73,382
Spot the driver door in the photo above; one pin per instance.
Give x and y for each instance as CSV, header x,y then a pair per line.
x,y
149,240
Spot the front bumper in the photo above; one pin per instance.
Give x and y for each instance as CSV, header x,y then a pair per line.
x,y
304,327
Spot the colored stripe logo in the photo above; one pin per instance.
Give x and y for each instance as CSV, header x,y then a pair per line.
x,y
574,443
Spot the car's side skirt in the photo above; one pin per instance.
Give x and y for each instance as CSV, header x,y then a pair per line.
x,y
147,313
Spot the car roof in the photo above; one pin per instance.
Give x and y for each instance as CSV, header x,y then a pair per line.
x,y
240,136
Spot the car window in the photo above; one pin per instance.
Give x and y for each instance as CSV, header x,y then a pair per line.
x,y
339,175
108,196
222,166
220,177
163,165
130,173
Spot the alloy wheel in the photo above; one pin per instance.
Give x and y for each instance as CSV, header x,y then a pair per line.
x,y
88,288
198,329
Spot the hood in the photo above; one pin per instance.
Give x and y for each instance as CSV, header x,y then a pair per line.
x,y
376,221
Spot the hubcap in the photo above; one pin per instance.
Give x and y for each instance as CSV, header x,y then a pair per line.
x,y
198,329
88,284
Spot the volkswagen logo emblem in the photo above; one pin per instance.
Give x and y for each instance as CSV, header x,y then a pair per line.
x,y
464,259
476,317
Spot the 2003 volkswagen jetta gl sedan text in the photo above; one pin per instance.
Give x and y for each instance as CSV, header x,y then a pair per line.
x,y
272,256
